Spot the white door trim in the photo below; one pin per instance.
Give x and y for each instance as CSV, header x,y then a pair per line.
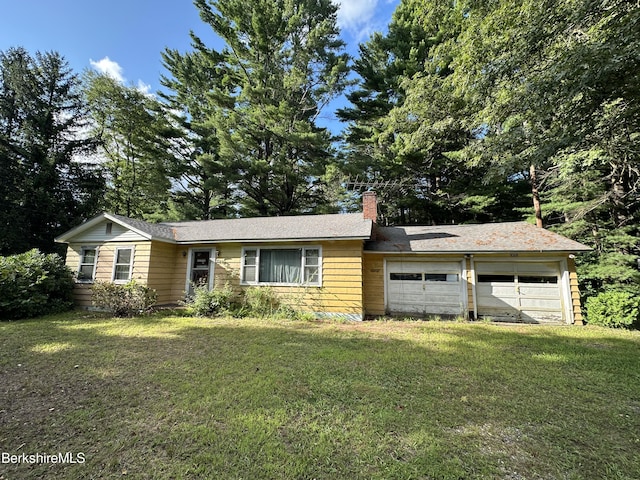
x,y
212,263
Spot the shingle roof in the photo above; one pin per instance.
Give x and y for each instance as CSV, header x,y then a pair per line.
x,y
155,230
472,238
303,227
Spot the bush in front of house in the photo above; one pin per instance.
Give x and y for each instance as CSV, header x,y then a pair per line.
x,y
614,308
209,303
123,300
34,284
261,301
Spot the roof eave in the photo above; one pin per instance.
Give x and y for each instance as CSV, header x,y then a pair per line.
x,y
268,240
474,252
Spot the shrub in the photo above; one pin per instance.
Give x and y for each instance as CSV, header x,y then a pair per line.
x,y
209,303
123,300
264,301
614,308
261,301
34,284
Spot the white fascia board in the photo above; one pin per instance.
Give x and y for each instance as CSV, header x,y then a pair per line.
x,y
267,240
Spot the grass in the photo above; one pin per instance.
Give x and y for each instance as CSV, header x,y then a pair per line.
x,y
172,397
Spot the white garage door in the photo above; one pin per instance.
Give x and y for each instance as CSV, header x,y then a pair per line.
x,y
521,292
425,288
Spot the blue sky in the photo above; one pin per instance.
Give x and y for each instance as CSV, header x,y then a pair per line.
x,y
125,37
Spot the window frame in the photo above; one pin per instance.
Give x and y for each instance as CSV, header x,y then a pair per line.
x,y
84,249
115,264
303,265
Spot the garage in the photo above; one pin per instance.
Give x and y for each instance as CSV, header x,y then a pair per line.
x,y
425,288
529,292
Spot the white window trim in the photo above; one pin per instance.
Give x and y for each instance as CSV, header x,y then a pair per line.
x,y
115,259
303,249
80,264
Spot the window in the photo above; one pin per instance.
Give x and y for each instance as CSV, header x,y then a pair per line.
x,y
414,277
496,278
123,263
441,277
538,279
282,265
87,264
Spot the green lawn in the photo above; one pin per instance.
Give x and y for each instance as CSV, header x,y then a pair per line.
x,y
171,397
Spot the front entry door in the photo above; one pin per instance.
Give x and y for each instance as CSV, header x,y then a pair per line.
x,y
200,272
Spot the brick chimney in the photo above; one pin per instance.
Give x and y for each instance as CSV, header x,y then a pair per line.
x,y
370,206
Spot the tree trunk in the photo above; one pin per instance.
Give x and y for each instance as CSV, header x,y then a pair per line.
x,y
535,195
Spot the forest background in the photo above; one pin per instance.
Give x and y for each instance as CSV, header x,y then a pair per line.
x,y
467,110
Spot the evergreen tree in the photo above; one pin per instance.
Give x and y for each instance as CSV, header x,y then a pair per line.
x,y
555,87
203,187
44,190
409,122
282,64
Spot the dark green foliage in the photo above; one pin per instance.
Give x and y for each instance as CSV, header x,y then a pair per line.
x,y
250,110
614,308
44,190
34,284
123,300
493,91
210,303
555,85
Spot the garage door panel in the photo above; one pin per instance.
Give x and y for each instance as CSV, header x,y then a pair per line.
x,y
541,303
424,288
453,300
497,267
410,298
535,268
444,289
503,303
405,308
523,291
500,314
498,290
535,316
419,267
542,291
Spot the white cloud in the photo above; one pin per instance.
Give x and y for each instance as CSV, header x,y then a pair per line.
x,y
355,14
360,18
108,67
144,88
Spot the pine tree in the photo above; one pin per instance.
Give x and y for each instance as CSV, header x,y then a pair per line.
x,y
282,64
44,189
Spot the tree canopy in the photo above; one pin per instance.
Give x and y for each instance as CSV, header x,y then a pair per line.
x,y
480,110
516,107
283,62
42,116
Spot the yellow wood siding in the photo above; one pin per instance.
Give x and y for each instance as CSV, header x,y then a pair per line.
x,y
575,292
373,278
162,271
104,267
341,290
